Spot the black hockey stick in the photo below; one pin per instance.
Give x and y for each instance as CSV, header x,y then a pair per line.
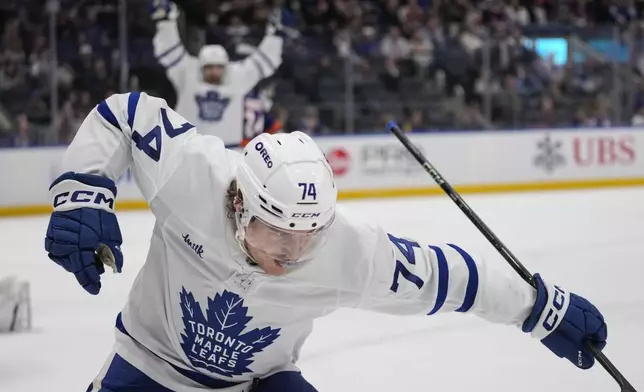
x,y
495,241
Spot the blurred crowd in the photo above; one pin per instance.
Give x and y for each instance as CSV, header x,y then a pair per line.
x,y
430,64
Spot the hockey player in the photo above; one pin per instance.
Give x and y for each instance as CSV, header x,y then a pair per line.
x,y
210,89
15,305
249,248
257,116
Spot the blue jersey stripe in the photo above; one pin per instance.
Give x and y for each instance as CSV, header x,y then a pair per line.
x,y
175,62
132,101
473,281
104,110
266,59
259,68
443,279
168,51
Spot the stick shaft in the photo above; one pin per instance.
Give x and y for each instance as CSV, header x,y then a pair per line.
x,y
495,241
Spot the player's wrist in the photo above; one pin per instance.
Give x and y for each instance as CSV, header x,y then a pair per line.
x,y
550,306
72,190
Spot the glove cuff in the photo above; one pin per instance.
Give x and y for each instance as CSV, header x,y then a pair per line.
x,y
548,311
72,190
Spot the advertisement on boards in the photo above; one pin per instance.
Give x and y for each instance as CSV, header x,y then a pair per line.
x,y
590,151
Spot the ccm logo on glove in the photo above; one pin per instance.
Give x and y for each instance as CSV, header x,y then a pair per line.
x,y
83,196
69,194
558,303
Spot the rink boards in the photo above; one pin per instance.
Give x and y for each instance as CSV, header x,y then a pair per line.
x,y
377,165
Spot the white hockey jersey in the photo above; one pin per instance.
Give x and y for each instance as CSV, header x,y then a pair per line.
x,y
199,314
214,109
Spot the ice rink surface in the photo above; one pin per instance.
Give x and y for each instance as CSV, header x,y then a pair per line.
x,y
591,242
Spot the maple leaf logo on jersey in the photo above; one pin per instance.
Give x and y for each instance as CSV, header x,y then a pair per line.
x,y
211,106
215,341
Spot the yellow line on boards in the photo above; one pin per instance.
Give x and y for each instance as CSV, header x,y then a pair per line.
x,y
492,188
126,205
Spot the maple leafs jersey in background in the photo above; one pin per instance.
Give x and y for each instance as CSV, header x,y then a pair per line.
x,y
214,109
199,311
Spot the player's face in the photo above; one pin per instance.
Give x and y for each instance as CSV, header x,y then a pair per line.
x,y
272,248
213,73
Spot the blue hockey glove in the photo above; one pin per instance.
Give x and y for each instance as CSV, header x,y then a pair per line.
x,y
564,322
83,233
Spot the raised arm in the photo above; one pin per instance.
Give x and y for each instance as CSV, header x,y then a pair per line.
x,y
168,47
260,64
132,129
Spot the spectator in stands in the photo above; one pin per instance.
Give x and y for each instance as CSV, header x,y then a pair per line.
x,y
569,15
453,13
579,81
473,34
396,50
366,43
472,118
622,11
517,13
85,104
638,117
422,53
319,17
537,12
411,17
39,62
391,77
414,121
600,113
433,30
389,13
581,118
281,116
547,116
507,103
394,46
12,42
23,136
385,117
11,76
347,13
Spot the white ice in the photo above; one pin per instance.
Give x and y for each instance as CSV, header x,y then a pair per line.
x,y
591,242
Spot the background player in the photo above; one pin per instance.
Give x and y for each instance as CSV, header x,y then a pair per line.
x,y
257,114
248,249
210,89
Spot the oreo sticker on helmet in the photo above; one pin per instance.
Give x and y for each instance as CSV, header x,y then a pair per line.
x,y
262,151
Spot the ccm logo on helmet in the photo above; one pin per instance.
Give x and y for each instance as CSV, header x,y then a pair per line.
x,y
305,214
83,197
262,151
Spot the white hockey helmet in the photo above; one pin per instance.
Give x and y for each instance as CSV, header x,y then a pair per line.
x,y
213,55
287,184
